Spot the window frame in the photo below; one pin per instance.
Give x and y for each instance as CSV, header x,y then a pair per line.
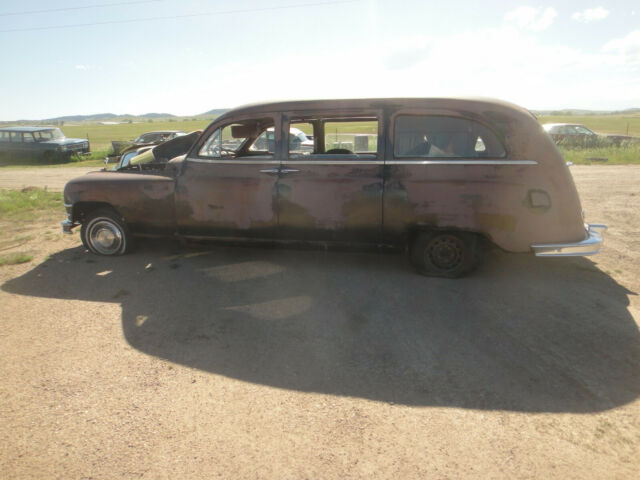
x,y
320,117
194,153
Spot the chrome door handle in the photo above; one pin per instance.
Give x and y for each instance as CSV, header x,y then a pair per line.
x,y
289,170
271,171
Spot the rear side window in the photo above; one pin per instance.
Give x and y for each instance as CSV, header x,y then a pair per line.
x,y
439,136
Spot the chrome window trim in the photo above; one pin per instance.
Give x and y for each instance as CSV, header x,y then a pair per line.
x,y
461,162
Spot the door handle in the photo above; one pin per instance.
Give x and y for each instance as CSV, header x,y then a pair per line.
x,y
270,171
289,170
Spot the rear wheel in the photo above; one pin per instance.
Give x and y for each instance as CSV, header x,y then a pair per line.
x,y
104,232
446,254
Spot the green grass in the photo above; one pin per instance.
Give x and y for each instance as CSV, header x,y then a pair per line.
x,y
28,204
100,136
623,155
14,259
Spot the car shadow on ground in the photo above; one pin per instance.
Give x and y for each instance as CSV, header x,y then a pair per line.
x,y
522,334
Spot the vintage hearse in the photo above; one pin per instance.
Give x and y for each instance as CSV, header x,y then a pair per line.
x,y
439,176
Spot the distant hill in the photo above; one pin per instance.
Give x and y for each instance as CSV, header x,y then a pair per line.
x,y
103,117
215,111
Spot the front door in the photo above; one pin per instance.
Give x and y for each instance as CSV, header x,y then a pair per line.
x,y
228,184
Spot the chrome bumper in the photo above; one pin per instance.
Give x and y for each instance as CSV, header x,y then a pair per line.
x,y
67,226
589,246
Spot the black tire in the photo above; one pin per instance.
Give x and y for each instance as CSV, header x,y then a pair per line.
x,y
446,253
104,232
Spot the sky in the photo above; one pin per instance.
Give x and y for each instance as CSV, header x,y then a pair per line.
x,y
186,57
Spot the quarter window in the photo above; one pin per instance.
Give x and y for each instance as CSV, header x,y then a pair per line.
x,y
439,136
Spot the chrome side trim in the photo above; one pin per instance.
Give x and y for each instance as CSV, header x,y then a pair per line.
x,y
68,205
233,161
332,162
589,246
362,162
461,162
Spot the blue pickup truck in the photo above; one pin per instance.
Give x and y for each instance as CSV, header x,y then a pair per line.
x,y
42,142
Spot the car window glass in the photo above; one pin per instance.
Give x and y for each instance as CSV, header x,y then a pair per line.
x,y
27,137
355,136
342,136
440,136
4,136
249,138
16,137
583,130
301,139
266,142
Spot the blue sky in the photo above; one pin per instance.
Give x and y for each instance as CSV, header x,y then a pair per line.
x,y
539,55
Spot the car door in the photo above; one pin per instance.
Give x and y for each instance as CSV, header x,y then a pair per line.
x,y
227,186
331,191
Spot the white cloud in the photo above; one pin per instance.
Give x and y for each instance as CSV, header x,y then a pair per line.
x,y
82,67
531,18
591,15
626,49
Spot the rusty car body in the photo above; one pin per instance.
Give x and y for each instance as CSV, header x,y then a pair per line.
x,y
439,176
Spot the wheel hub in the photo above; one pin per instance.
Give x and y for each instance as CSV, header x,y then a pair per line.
x,y
445,252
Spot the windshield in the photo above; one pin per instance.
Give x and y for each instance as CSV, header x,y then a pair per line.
x,y
45,135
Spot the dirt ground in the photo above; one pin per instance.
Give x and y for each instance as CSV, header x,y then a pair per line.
x,y
215,361
51,178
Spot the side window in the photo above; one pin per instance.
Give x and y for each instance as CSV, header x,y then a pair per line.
x,y
333,136
242,139
356,136
16,137
301,139
439,136
4,136
27,137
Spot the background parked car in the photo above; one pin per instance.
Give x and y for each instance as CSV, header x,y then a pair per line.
x,y
577,134
149,138
48,143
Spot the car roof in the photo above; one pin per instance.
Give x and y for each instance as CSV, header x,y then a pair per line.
x,y
562,125
26,129
463,104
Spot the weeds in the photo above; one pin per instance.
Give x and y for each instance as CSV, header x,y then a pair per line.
x,y
28,203
14,259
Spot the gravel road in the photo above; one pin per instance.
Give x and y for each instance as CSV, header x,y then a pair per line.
x,y
214,361
53,178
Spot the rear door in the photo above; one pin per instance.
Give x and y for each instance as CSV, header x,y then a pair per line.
x,y
332,190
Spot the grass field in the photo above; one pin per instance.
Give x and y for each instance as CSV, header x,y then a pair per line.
x,y
100,136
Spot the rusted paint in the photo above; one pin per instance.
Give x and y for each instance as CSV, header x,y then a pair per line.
x,y
356,202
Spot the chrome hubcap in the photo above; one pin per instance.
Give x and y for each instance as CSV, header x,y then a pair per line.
x,y
105,237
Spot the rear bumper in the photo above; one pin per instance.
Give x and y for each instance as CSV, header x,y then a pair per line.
x,y
589,246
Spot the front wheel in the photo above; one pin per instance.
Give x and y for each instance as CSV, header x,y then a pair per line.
x,y
104,233
446,254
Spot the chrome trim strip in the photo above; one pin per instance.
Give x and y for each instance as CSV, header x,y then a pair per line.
x,y
232,161
332,162
363,162
589,246
461,162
